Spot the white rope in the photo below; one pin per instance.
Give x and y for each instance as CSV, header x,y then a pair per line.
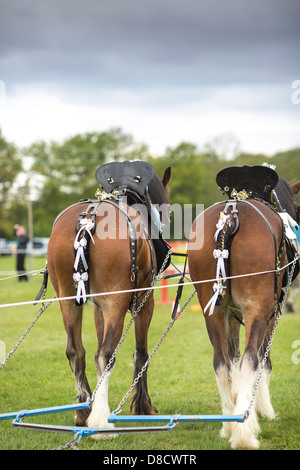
x,y
127,291
33,273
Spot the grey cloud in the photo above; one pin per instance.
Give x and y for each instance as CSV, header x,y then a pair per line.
x,y
141,43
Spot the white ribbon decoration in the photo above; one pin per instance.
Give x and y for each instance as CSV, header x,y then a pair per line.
x,y
221,273
88,225
79,246
80,255
220,225
81,291
289,224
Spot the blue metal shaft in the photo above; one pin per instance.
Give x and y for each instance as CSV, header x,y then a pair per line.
x,y
40,411
185,418
171,420
114,418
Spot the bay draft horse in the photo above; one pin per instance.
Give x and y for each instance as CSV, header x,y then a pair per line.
x,y
109,270
249,298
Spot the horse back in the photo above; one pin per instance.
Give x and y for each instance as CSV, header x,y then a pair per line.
x,y
254,248
109,256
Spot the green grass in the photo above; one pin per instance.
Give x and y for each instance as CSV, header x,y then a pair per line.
x,y
180,377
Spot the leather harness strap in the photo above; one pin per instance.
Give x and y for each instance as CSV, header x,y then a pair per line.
x,y
268,224
278,252
91,212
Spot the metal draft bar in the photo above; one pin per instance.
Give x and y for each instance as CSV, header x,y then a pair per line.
x,y
82,431
19,415
177,418
39,411
170,420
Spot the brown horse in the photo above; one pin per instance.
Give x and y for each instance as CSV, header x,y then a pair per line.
x,y
109,269
255,244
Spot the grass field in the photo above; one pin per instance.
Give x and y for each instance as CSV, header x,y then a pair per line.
x,y
180,377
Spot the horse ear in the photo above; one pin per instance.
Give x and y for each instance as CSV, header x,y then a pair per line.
x,y
296,187
167,177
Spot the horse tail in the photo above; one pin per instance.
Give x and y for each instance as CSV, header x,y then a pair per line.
x,y
227,226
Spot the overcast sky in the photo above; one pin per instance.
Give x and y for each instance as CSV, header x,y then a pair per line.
x,y
164,71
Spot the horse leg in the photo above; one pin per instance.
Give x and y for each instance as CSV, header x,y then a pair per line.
x,y
233,341
234,352
141,403
109,321
263,401
60,261
72,317
244,435
217,328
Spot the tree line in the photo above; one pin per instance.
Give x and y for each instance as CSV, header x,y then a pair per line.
x,y
54,175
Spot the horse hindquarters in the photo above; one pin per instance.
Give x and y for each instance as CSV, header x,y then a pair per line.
x,y
252,250
255,296
110,271
109,315
72,316
61,277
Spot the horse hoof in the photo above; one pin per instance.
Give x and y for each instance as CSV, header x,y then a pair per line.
x,y
81,417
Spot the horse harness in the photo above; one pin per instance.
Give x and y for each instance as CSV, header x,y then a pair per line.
x,y
118,181
241,184
85,230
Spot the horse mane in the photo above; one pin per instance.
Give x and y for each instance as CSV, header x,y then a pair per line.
x,y
286,197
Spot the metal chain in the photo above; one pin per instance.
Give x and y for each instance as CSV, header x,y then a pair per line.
x,y
143,369
134,314
155,280
70,445
145,366
74,443
41,311
277,313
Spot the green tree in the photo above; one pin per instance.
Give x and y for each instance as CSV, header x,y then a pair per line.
x,y
68,170
193,176
72,164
